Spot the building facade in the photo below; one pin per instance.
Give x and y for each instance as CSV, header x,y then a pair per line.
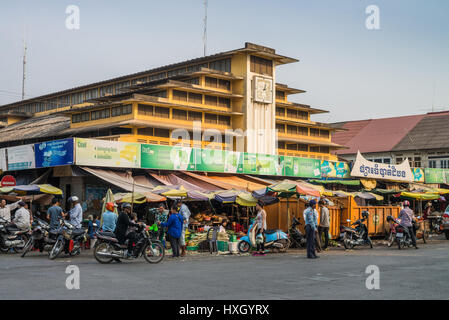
x,y
229,101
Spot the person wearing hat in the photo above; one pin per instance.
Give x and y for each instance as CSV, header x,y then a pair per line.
x,y
122,226
109,217
22,217
406,216
310,217
76,213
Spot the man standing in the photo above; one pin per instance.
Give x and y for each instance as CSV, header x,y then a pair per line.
x,y
406,216
76,213
161,217
54,213
310,215
324,223
5,209
185,213
22,217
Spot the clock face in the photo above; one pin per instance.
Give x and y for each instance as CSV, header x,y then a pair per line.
x,y
263,90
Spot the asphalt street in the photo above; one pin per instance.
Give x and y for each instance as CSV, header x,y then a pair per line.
x,y
338,274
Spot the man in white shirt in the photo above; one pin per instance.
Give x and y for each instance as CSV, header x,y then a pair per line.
x,y
76,213
5,209
22,217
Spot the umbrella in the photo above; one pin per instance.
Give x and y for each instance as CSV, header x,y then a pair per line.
x,y
36,189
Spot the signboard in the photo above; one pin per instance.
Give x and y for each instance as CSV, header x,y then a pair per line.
x,y
54,153
418,174
264,164
368,169
21,157
167,158
212,160
103,153
436,175
302,167
8,181
334,169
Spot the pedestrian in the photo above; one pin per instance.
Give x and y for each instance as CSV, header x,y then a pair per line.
x,y
310,217
161,217
76,213
22,217
406,216
324,224
91,231
174,227
5,209
54,214
185,212
109,218
261,225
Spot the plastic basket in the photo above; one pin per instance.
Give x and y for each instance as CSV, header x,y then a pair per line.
x,y
222,246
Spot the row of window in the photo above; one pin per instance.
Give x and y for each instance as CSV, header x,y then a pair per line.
x,y
302,147
198,98
155,132
302,131
102,114
261,65
178,114
292,113
80,97
217,83
280,95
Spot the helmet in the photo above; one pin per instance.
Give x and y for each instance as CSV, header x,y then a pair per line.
x,y
110,206
73,199
365,214
390,219
406,203
126,205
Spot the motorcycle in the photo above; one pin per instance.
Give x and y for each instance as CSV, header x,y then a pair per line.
x,y
276,239
12,237
394,225
297,238
401,236
107,247
356,236
69,238
39,238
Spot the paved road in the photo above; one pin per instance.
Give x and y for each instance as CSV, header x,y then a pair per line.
x,y
338,274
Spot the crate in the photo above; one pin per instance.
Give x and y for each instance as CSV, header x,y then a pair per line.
x,y
223,246
192,248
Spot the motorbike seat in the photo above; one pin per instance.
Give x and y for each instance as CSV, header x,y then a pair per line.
x,y
106,234
78,232
349,229
271,231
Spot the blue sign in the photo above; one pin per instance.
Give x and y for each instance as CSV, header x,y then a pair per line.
x,y
54,153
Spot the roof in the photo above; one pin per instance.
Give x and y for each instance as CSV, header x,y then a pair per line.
x,y
41,127
394,134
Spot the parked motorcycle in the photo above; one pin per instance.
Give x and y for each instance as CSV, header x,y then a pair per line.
x,y
41,238
12,237
358,235
68,239
297,238
107,247
276,239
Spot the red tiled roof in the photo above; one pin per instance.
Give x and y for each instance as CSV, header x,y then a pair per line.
x,y
376,135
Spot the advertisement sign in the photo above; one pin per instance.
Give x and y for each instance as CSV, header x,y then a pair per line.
x,y
8,181
264,164
302,167
21,157
418,174
368,169
212,160
436,175
167,158
104,153
54,153
334,169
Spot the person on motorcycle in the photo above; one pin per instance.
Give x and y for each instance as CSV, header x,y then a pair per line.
x,y
109,217
406,216
5,209
76,213
261,225
123,223
310,217
22,217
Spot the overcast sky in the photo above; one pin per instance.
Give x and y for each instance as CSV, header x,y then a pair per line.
x,y
353,72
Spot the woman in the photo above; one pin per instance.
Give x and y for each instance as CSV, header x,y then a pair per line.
x,y
174,229
261,225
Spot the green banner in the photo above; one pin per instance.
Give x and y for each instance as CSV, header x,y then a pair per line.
x,y
334,169
167,157
302,167
436,175
263,164
212,160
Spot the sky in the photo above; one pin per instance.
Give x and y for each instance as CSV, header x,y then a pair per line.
x,y
355,73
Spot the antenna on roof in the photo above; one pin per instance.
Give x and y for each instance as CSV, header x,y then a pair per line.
x,y
205,27
24,64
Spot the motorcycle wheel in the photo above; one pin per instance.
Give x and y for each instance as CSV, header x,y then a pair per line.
x,y
391,239
244,246
399,243
154,252
368,239
27,247
102,246
346,242
285,243
446,233
56,250
425,236
25,239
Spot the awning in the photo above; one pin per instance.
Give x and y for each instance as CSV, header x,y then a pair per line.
x,y
420,196
289,188
138,197
338,181
32,189
172,179
219,184
238,181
